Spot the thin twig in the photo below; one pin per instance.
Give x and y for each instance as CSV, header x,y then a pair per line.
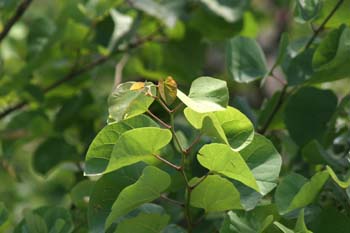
x,y
195,141
177,168
74,73
175,202
274,111
22,7
321,27
284,89
199,181
119,69
158,119
278,79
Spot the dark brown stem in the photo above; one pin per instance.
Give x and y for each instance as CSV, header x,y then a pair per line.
x,y
308,44
195,141
75,73
278,79
187,210
22,7
199,181
177,168
325,21
158,119
274,111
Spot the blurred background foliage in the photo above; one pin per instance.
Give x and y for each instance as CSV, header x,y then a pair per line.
x,y
62,58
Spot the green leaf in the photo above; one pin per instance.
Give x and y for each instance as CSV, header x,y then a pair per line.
x,y
330,220
34,223
342,184
126,101
98,9
307,10
282,49
132,147
149,187
283,228
105,192
122,26
220,158
295,191
238,128
80,193
172,228
214,26
228,126
165,11
215,194
331,57
298,68
300,112
313,153
206,95
255,221
266,110
338,18
231,11
101,148
211,127
300,226
52,152
46,219
3,213
144,223
245,60
264,162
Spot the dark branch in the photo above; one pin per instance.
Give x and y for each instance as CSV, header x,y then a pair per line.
x,y
321,27
74,73
23,6
274,111
308,44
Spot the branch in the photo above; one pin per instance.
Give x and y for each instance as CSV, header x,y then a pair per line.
x,y
318,30
308,44
175,202
74,73
274,111
177,168
17,15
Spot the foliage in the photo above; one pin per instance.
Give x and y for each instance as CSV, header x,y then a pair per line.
x,y
262,147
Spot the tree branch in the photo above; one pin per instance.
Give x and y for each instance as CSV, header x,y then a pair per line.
x,y
74,73
323,24
284,90
22,7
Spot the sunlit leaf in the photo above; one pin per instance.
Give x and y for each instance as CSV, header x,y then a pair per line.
x,y
227,162
206,196
132,148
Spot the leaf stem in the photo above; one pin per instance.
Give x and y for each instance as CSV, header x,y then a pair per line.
x,y
195,141
274,111
178,168
175,202
187,210
199,181
158,119
22,7
323,24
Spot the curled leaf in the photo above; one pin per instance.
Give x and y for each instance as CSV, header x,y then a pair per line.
x,y
168,90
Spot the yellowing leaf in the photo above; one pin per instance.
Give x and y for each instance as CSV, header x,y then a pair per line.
x,y
137,86
168,90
